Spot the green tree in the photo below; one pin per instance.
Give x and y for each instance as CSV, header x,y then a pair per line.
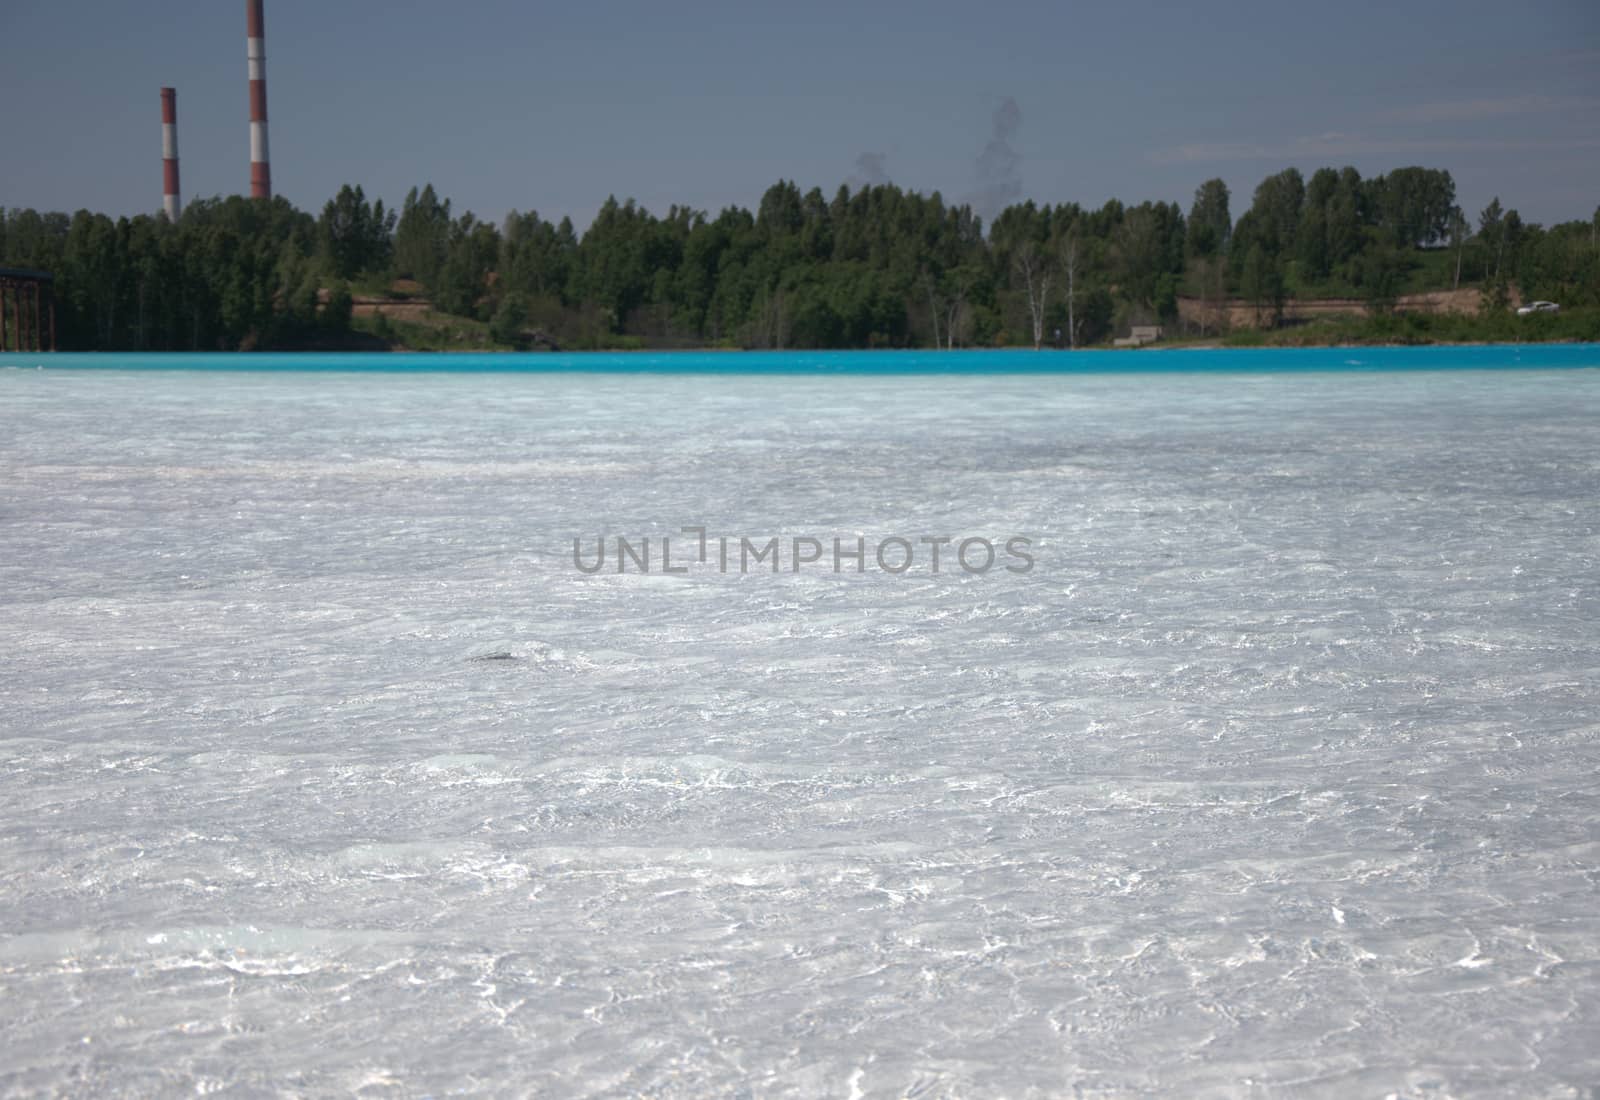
x,y
1312,246
1512,233
1210,224
94,261
1278,203
1560,264
1491,230
470,254
355,235
507,324
1262,284
340,306
1344,220
1413,205
536,256
1382,269
422,236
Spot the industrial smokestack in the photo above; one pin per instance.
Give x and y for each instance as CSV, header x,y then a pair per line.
x,y
171,202
260,162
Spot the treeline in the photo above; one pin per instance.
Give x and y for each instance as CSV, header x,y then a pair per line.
x,y
875,267
1341,236
234,273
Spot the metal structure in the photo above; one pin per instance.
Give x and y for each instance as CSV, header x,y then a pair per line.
x,y
256,47
171,200
29,298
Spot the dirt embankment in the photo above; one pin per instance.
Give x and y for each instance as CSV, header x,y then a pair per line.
x,y
396,309
1238,313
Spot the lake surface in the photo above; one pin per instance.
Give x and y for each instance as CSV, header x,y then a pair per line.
x,y
1274,776
1004,361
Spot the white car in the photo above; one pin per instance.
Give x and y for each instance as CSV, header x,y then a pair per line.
x,y
1538,307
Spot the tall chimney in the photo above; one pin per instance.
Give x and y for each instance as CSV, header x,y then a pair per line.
x,y
170,200
260,162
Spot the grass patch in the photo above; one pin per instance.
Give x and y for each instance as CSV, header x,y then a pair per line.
x,y
1577,325
437,332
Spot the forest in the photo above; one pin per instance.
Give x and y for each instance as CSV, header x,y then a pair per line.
x,y
877,267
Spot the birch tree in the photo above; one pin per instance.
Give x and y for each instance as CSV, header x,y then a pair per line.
x,y
956,288
1458,240
1069,267
933,305
1035,273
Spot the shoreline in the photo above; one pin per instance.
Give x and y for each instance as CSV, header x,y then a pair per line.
x,y
971,363
1208,344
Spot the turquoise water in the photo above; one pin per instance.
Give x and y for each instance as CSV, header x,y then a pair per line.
x,y
1008,361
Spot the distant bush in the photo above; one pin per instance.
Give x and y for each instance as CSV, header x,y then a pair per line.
x,y
507,324
336,313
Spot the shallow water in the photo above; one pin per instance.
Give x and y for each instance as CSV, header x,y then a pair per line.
x,y
1274,777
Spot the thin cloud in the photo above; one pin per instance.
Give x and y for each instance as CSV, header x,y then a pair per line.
x,y
1208,152
1474,110
1577,58
1335,144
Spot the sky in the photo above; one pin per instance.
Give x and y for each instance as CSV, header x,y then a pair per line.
x,y
505,104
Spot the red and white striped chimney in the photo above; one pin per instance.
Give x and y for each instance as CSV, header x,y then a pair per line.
x,y
171,202
260,162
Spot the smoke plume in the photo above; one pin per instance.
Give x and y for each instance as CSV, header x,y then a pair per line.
x,y
869,171
999,166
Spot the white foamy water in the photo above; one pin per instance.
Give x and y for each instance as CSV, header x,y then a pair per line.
x,y
1276,777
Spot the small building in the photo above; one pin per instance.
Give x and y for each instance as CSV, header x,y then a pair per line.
x,y
1138,337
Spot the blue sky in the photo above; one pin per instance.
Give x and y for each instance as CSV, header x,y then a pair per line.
x,y
506,104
